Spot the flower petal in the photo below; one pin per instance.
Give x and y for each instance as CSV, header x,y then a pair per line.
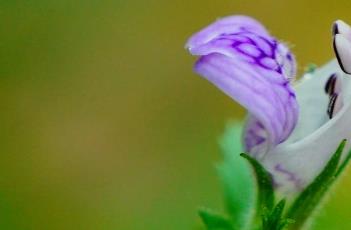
x,y
240,58
294,164
313,101
342,44
342,47
340,27
224,26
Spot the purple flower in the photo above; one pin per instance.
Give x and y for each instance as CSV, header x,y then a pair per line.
x,y
292,132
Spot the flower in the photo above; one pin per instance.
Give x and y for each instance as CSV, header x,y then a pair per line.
x,y
293,132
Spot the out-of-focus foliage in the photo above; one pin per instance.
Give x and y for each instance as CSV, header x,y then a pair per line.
x,y
237,178
103,123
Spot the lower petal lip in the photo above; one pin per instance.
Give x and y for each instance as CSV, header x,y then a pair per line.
x,y
307,155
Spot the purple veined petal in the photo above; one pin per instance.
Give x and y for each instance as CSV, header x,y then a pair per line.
x,y
242,82
227,25
246,63
254,48
244,39
297,161
255,137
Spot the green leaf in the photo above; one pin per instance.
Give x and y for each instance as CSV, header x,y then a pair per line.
x,y
236,177
343,165
309,199
274,220
265,185
285,223
214,220
271,222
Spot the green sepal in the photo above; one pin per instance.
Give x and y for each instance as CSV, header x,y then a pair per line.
x,y
214,220
343,165
310,198
284,223
265,193
274,220
271,220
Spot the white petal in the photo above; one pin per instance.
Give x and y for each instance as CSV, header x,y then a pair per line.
x,y
295,164
313,101
342,48
340,27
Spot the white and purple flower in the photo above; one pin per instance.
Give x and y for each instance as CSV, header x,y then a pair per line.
x,y
292,131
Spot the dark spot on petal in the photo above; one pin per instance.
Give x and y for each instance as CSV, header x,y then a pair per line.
x,y
331,105
330,85
335,29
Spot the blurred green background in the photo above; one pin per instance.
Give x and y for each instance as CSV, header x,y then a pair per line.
x,y
104,125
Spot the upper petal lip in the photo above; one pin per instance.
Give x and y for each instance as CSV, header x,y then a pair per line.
x,y
236,50
222,26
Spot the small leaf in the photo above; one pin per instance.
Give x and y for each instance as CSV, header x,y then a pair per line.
x,y
311,68
285,223
309,199
343,164
265,185
236,177
214,220
274,220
